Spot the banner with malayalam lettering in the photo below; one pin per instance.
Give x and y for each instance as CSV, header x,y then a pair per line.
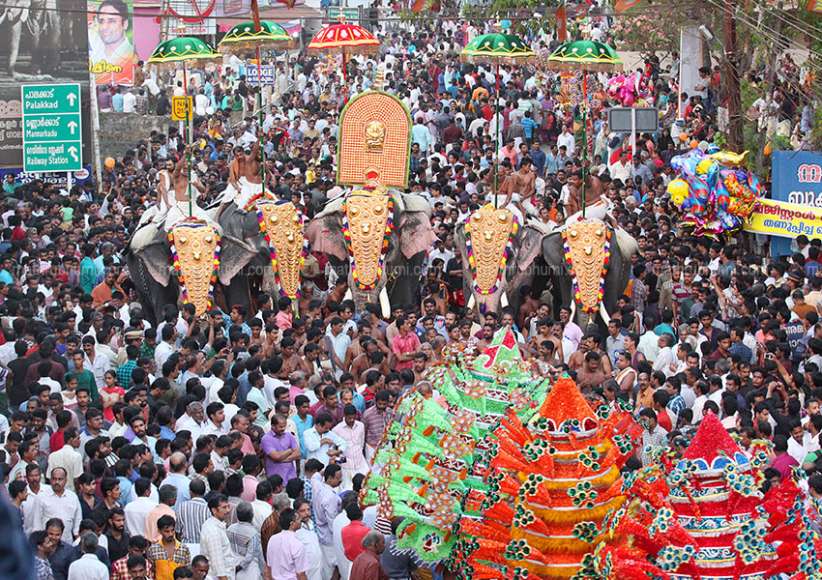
x,y
110,47
785,220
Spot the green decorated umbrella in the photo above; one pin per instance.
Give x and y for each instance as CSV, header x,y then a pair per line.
x,y
496,48
184,49
587,56
248,36
256,35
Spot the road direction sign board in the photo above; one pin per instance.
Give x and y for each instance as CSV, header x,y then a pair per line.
x,y
52,127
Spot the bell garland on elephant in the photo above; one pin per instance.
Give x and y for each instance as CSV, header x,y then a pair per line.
x,y
715,193
289,237
552,481
195,259
431,458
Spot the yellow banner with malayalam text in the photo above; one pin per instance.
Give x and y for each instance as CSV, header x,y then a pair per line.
x,y
783,219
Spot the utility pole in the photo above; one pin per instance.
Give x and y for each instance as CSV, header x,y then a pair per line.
x,y
731,78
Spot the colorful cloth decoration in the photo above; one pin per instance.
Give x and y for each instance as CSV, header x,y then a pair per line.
x,y
552,481
715,194
434,453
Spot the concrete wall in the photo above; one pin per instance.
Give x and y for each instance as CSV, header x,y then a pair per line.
x,y
120,132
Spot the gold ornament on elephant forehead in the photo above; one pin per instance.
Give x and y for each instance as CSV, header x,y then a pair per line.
x,y
284,227
587,252
369,215
374,136
196,258
490,231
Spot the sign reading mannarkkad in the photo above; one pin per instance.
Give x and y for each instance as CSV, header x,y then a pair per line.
x,y
785,220
52,128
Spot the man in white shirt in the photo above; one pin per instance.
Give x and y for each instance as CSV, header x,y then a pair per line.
x,y
665,359
320,442
137,511
61,503
67,458
166,346
566,138
88,567
129,102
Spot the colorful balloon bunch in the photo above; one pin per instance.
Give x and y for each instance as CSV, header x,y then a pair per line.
x,y
713,191
628,89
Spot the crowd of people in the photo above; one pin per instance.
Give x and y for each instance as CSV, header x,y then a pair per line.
x,y
233,443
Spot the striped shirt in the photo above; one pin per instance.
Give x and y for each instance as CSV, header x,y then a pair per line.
x,y
191,516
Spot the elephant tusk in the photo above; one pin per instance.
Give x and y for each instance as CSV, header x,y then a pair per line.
x,y
503,300
573,308
604,313
471,302
385,303
348,294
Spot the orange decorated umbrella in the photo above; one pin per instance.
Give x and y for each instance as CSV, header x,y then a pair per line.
x,y
346,38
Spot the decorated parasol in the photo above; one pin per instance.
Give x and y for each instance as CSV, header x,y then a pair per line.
x,y
346,38
253,36
587,56
496,48
184,49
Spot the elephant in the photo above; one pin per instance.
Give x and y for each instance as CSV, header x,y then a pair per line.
x,y
587,256
148,258
379,240
245,262
494,227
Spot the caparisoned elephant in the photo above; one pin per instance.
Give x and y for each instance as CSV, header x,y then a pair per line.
x,y
380,239
589,265
498,255
248,263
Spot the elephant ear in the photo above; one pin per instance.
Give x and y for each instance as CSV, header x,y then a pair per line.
x,y
150,245
628,246
416,233
235,254
325,236
332,208
530,246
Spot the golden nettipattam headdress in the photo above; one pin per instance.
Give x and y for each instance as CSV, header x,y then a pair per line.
x,y
195,252
587,248
281,225
375,141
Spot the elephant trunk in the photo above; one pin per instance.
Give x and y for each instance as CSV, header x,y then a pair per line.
x,y
492,302
378,295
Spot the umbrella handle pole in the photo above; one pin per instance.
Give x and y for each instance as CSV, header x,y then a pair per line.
x,y
262,137
496,138
584,136
188,151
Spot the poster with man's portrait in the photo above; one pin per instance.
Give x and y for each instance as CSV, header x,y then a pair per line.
x,y
110,46
43,41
